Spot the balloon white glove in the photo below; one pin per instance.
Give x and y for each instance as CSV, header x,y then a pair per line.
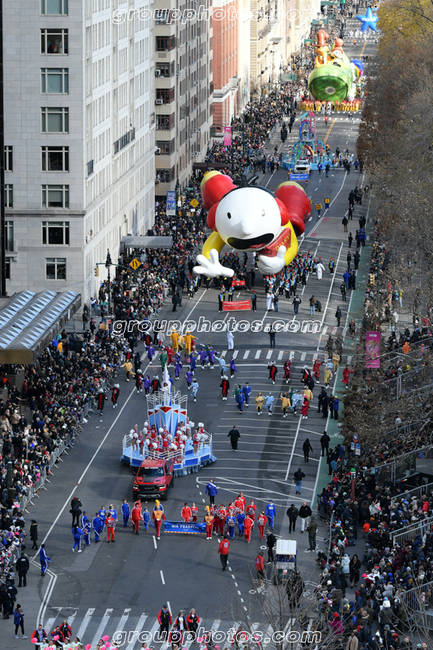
x,y
212,267
272,265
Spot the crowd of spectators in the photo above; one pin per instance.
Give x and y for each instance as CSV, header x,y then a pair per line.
x,y
391,580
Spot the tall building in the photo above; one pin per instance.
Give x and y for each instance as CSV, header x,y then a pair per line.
x,y
79,137
278,29
226,56
183,89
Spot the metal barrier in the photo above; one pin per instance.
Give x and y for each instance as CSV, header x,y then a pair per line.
x,y
420,527
426,489
418,603
402,466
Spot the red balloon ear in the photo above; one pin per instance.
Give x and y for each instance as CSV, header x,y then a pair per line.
x,y
284,214
211,216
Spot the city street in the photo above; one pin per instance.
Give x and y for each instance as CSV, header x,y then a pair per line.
x,y
122,588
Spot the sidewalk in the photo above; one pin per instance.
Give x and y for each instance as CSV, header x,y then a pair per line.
x,y
355,312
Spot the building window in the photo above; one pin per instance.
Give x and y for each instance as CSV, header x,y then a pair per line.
x,y
165,95
54,7
55,268
8,268
55,81
9,236
165,148
55,196
55,120
164,122
164,69
9,196
122,142
162,17
165,43
55,159
54,41
55,233
9,159
165,175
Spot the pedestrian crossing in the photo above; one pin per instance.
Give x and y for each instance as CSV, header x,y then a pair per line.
x,y
274,354
132,629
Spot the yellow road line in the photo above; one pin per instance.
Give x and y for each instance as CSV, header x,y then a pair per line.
x,y
329,130
362,51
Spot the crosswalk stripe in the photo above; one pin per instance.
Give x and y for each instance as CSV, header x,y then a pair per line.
x,y
49,625
268,633
71,620
215,625
138,628
120,627
246,354
223,354
258,354
269,354
303,355
235,354
85,623
102,626
280,355
291,356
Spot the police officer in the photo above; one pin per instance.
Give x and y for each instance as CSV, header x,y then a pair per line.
x,y
22,566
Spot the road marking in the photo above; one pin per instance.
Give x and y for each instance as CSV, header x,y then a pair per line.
x,y
293,447
329,130
154,541
235,354
303,355
85,622
280,355
162,577
223,354
257,354
138,628
122,623
334,275
291,355
246,354
49,625
101,628
269,354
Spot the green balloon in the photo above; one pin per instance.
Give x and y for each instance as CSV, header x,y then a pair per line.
x,y
331,82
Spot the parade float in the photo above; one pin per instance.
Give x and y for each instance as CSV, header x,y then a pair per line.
x,y
168,434
308,147
334,77
251,218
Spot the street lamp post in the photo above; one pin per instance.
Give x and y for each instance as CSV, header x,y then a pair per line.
x,y
108,264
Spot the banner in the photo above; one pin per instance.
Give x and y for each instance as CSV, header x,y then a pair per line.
x,y
227,136
190,528
372,350
240,305
238,283
170,210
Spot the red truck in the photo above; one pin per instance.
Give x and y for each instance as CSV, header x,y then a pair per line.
x,y
154,479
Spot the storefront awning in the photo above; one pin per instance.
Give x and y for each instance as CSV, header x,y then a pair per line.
x,y
30,321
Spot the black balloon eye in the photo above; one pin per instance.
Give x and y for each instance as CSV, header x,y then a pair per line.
x,y
263,213
229,216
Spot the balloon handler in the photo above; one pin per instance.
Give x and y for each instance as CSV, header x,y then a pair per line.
x,y
250,218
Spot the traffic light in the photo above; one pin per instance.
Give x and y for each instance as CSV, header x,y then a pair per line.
x,y
96,271
183,200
